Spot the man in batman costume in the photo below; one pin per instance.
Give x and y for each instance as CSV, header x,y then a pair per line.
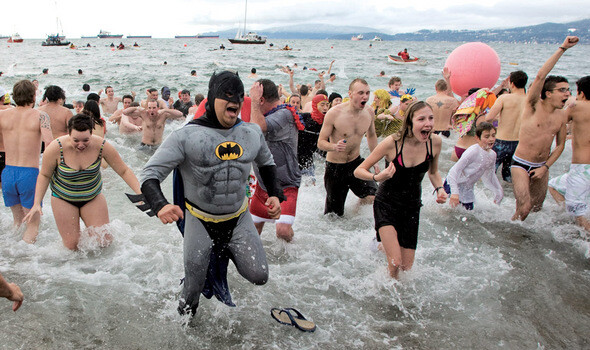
x,y
211,158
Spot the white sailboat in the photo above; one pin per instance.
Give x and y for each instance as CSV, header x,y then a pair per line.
x,y
251,37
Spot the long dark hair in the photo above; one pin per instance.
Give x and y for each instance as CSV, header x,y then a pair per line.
x,y
91,108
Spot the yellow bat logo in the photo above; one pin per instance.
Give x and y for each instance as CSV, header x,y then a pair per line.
x,y
228,151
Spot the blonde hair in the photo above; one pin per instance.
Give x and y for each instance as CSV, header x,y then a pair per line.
x,y
384,99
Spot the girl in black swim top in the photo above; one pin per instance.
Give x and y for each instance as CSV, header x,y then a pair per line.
x,y
412,153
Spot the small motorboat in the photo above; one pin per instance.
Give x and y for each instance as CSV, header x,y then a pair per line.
x,y
398,60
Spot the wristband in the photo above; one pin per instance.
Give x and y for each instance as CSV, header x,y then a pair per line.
x,y
436,189
546,166
374,178
563,48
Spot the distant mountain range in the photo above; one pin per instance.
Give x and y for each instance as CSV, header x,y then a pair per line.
x,y
541,33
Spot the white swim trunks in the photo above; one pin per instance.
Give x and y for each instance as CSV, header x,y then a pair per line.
x,y
577,194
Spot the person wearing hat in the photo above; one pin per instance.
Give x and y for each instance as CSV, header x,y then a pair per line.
x,y
334,99
212,156
4,99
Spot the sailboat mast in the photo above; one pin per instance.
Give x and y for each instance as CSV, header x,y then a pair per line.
x,y
245,15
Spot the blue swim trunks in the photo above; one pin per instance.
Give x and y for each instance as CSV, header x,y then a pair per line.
x,y
18,185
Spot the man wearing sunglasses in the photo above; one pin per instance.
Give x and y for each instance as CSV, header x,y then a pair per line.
x,y
542,120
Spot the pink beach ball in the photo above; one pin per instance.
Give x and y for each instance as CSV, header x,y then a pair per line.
x,y
473,65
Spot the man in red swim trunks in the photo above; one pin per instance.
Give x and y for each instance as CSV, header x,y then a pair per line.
x,y
280,125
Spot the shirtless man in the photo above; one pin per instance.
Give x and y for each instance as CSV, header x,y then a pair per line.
x,y
130,124
542,120
58,114
110,103
574,186
115,118
507,111
153,122
22,130
443,108
153,94
341,136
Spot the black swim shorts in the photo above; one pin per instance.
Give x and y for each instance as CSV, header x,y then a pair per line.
x,y
338,179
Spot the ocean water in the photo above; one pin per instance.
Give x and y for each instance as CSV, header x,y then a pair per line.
x,y
479,280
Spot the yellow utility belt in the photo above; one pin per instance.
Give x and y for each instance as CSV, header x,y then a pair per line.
x,y
199,214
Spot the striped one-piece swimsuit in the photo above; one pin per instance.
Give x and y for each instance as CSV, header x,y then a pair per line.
x,y
76,187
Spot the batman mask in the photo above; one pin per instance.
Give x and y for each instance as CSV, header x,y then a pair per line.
x,y
226,86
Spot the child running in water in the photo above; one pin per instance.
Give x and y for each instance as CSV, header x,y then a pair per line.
x,y
411,153
478,161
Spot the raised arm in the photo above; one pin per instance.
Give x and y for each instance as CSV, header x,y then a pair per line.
x,y
292,82
256,115
127,124
534,93
330,68
503,85
116,117
494,112
133,111
446,73
322,82
171,113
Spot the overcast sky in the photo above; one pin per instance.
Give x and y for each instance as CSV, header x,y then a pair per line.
x,y
166,18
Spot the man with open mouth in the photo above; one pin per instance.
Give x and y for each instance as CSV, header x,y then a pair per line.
x,y
542,121
211,157
341,135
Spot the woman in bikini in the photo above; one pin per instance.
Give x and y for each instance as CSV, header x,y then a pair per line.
x,y
71,167
411,153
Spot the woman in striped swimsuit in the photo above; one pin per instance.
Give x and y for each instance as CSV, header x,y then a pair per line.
x,y
71,166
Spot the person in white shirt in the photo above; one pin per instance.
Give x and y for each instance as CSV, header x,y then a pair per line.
x,y
477,162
